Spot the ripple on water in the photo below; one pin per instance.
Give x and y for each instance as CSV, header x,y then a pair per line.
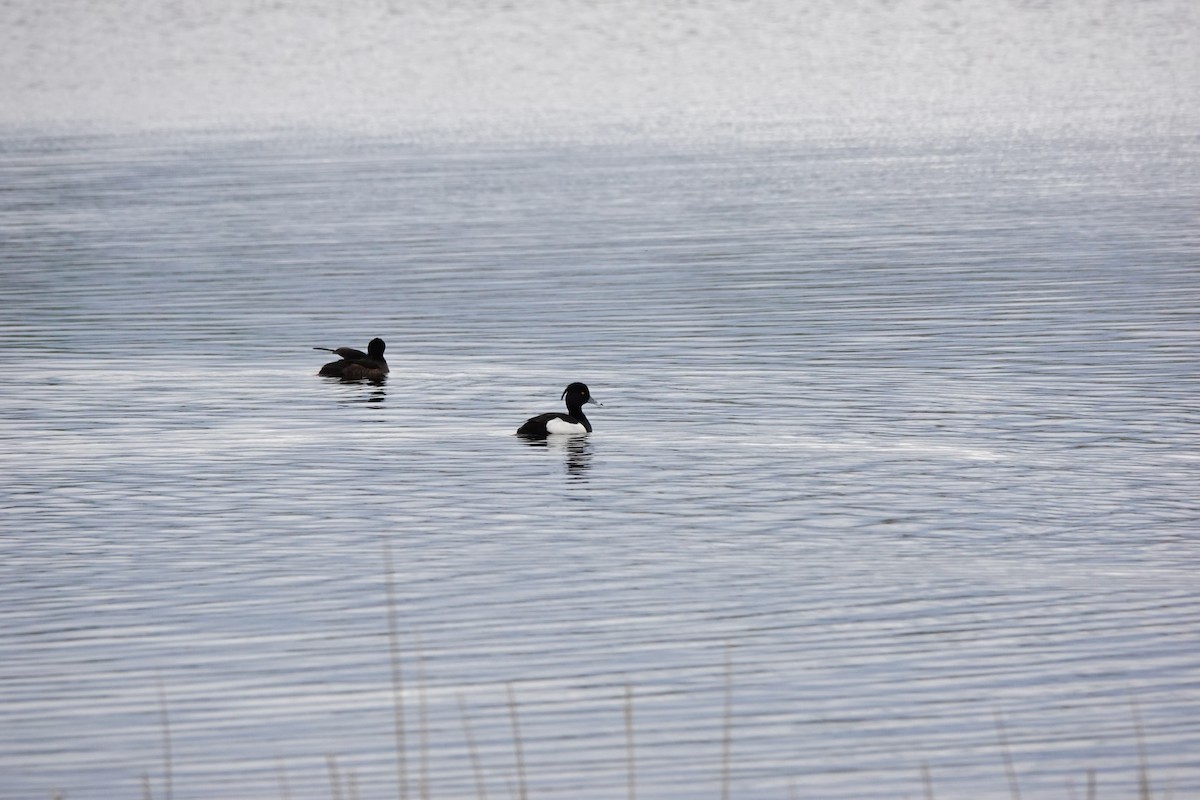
x,y
890,444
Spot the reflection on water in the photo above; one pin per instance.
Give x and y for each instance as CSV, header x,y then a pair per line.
x,y
370,393
576,451
904,431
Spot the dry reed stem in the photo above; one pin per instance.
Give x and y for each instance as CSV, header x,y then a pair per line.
x,y
1143,766
1013,787
168,782
522,789
630,764
335,781
423,724
397,674
285,790
472,750
927,780
727,726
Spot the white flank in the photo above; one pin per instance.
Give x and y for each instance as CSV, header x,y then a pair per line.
x,y
557,425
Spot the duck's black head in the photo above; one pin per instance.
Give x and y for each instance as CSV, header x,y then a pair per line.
x,y
577,394
577,391
375,348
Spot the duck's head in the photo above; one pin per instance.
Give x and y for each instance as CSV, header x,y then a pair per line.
x,y
577,394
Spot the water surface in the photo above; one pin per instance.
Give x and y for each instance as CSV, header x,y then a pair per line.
x,y
892,308
897,441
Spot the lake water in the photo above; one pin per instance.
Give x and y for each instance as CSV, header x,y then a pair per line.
x,y
895,473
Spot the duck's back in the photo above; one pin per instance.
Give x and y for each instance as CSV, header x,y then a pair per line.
x,y
348,353
535,426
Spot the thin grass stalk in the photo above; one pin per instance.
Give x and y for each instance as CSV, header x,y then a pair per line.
x,y
285,790
927,780
168,787
1143,763
727,726
147,794
335,781
1013,787
397,674
472,750
518,749
1091,784
630,764
423,725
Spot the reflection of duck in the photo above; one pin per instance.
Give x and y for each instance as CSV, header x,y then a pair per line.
x,y
575,450
574,421
357,365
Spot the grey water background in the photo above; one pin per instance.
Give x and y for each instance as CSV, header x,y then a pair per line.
x,y
892,309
